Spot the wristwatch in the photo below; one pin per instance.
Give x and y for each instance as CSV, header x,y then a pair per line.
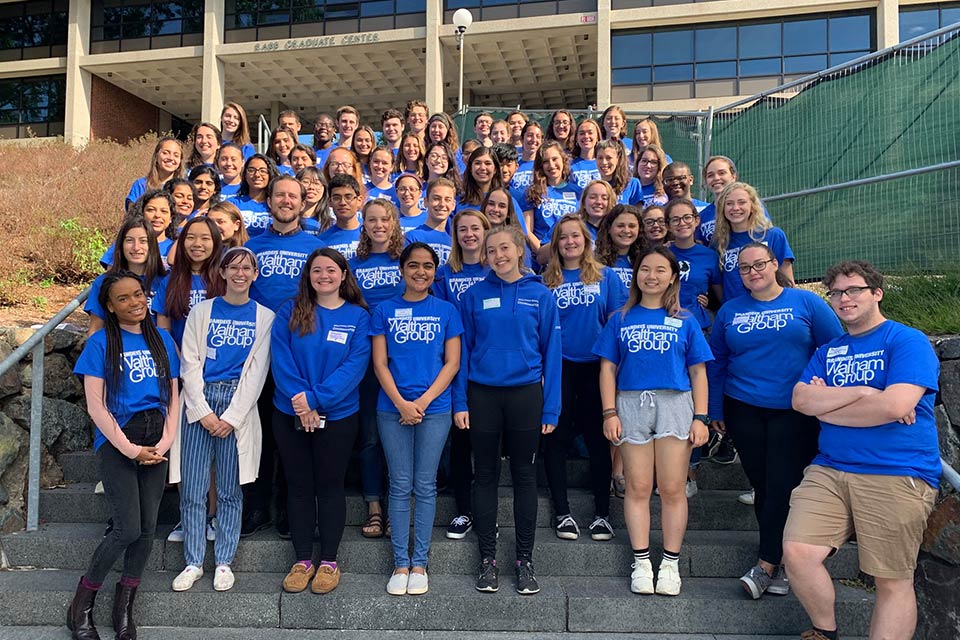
x,y
702,417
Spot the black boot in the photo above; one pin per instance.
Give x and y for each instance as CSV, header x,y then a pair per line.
x,y
123,613
80,614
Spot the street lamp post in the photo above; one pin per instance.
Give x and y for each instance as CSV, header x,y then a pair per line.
x,y
462,19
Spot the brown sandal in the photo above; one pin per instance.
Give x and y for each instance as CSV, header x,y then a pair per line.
x,y
372,527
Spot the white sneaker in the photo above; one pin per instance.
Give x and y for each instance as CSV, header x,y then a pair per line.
x,y
223,578
417,584
691,488
668,579
212,529
397,585
177,534
187,577
641,578
747,498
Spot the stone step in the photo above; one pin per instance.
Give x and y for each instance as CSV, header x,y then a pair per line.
x,y
706,554
582,605
82,467
718,510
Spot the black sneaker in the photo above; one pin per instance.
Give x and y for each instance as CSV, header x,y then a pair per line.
x,y
713,444
283,525
567,528
726,454
252,522
600,529
488,580
459,527
526,580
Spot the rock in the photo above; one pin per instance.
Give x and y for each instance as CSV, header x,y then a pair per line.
x,y
948,437
950,388
51,475
4,496
942,537
938,600
64,423
12,440
58,378
64,338
948,347
10,381
11,519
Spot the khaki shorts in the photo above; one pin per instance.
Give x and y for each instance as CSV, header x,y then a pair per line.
x,y
888,514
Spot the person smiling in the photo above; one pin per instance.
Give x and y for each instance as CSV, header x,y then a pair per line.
x,y
416,353
550,195
259,172
230,165
583,167
206,139
619,242
206,186
441,201
596,201
235,128
165,163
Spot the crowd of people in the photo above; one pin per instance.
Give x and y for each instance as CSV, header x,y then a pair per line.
x,y
263,316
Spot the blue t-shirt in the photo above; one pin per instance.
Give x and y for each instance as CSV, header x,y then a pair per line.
x,y
198,293
93,307
322,155
327,364
137,189
650,196
699,269
889,354
415,333
285,170
774,238
624,271
582,172
632,193
281,260
388,194
762,346
409,223
228,191
139,387
556,202
451,286
584,309
230,336
651,349
708,220
439,241
378,277
256,215
343,240
522,179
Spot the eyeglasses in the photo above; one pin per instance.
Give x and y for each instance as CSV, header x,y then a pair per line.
x,y
311,183
649,163
852,292
253,171
685,219
758,266
342,165
676,179
407,190
655,222
341,198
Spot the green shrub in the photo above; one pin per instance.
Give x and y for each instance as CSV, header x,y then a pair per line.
x,y
929,303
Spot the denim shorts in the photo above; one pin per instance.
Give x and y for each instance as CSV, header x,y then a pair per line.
x,y
648,415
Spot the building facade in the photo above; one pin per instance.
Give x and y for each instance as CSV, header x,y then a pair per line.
x,y
120,68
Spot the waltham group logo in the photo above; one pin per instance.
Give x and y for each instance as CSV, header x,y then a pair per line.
x,y
413,329
279,262
458,286
522,179
139,365
626,275
256,219
443,251
574,294
684,270
858,369
770,319
231,333
554,209
348,249
706,229
649,337
380,276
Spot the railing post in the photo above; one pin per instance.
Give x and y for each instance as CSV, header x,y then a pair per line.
x,y
36,427
705,143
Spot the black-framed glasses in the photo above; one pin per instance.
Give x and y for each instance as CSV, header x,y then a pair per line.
x,y
685,219
654,222
254,171
852,292
758,266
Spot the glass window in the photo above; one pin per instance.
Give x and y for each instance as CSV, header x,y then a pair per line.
x,y
32,25
716,70
760,67
38,102
804,36
631,76
804,64
760,40
631,49
673,73
672,46
850,33
916,21
145,18
716,44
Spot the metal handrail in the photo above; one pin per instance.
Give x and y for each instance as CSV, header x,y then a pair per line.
x,y
35,344
263,127
864,181
950,475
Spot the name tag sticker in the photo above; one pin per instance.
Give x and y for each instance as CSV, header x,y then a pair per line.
x,y
211,353
491,303
569,195
673,322
592,288
337,336
403,313
837,351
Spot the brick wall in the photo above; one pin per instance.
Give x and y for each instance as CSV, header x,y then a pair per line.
x,y
120,115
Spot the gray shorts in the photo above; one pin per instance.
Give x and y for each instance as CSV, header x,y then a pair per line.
x,y
648,415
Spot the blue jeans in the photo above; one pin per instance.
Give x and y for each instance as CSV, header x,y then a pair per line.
x,y
198,452
413,455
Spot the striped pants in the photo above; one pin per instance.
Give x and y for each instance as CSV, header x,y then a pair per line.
x,y
199,451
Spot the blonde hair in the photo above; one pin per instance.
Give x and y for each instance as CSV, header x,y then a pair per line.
x,y
456,251
516,235
757,221
591,271
395,244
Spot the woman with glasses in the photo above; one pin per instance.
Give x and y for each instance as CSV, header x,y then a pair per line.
x,y
315,217
761,343
655,231
649,171
258,171
409,189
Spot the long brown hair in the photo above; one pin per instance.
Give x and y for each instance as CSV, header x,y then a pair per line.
x,y
229,209
539,186
302,319
195,159
243,129
456,251
177,304
400,162
591,271
471,190
661,165
621,173
153,175
670,298
512,213
606,250
395,244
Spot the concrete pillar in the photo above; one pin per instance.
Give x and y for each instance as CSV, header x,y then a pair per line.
x,y
213,74
77,108
434,61
603,54
888,23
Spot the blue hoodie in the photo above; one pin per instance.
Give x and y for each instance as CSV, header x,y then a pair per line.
x,y
511,337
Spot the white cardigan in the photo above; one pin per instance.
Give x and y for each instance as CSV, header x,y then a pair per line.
x,y
242,412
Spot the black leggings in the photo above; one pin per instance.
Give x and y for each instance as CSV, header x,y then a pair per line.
x,y
133,491
581,414
461,469
514,413
257,495
315,465
775,446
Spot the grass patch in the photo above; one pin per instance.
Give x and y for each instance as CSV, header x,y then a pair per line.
x,y
928,303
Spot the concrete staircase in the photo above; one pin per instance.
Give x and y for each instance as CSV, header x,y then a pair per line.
x,y
585,587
